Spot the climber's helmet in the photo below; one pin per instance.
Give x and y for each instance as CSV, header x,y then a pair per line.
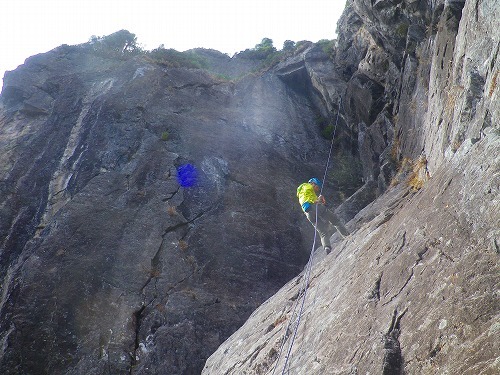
x,y
315,181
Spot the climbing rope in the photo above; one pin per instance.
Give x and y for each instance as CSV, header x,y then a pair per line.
x,y
286,365
292,317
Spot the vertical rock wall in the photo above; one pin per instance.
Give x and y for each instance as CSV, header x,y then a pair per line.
x,y
108,263
414,288
431,67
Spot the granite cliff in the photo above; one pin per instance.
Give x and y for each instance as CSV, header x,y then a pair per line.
x,y
415,288
110,264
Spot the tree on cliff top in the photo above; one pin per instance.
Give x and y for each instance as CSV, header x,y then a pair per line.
x,y
261,51
122,42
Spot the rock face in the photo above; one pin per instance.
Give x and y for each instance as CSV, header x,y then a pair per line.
x,y
413,290
112,264
108,264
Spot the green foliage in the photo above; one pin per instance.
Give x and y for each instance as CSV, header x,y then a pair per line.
x,y
402,30
261,51
327,132
164,136
265,47
326,45
326,127
221,77
301,46
175,59
124,44
288,46
119,44
267,53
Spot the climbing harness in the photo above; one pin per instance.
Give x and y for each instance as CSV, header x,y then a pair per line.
x,y
305,285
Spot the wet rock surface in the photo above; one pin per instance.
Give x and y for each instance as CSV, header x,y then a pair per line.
x,y
413,290
108,264
111,264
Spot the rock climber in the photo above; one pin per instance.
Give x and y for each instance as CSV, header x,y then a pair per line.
x,y
307,194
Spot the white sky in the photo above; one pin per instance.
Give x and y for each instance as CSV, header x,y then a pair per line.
x,y
29,27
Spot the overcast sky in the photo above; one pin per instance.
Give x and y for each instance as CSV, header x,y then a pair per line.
x,y
29,27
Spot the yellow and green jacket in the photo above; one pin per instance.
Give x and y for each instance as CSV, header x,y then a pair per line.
x,y
307,196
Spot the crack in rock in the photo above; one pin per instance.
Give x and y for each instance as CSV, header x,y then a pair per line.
x,y
155,261
393,359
